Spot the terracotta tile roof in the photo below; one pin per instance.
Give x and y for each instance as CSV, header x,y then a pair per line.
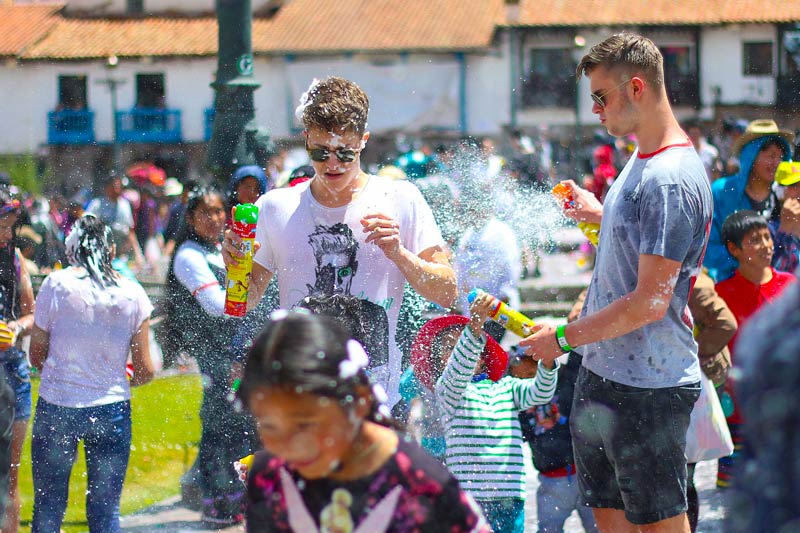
x,y
653,12
23,25
152,36
304,26
310,26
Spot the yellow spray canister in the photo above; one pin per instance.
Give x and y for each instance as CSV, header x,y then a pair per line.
x,y
245,217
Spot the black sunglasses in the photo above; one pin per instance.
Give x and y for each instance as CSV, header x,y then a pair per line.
x,y
344,155
600,98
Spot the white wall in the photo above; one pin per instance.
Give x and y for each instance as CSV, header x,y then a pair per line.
x,y
24,112
412,92
722,64
488,90
33,89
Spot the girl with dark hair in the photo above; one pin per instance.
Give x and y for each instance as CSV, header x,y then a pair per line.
x,y
88,318
16,308
332,463
195,324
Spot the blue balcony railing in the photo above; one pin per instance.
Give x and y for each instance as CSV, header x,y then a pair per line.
x,y
149,125
209,113
70,127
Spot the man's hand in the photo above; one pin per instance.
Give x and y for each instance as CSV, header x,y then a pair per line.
x,y
542,345
232,246
586,207
384,231
790,217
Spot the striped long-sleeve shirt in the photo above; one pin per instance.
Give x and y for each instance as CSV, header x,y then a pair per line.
x,y
482,431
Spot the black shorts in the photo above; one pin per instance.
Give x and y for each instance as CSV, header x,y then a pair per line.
x,y
630,445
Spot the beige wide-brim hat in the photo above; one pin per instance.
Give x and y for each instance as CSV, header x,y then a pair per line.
x,y
761,128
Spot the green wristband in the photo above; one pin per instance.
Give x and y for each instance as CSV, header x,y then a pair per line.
x,y
562,341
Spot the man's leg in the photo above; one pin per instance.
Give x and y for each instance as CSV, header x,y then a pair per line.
x,y
614,521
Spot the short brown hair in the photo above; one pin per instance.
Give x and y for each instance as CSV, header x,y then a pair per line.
x,y
628,52
335,104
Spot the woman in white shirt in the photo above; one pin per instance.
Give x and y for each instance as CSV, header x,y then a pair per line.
x,y
88,320
196,324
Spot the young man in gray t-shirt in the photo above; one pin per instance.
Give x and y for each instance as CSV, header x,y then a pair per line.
x,y
640,375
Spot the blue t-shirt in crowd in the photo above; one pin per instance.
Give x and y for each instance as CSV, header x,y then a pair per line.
x,y
659,205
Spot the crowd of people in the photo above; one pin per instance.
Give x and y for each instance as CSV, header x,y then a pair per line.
x,y
323,376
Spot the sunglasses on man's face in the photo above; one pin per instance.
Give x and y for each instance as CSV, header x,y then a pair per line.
x,y
344,155
600,98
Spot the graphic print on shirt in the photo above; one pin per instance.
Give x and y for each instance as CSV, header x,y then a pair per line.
x,y
335,517
546,417
336,254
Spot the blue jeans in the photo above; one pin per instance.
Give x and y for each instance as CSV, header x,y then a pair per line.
x,y
505,515
556,498
106,434
18,377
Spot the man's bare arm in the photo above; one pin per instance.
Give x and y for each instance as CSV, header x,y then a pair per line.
x,y
430,274
646,304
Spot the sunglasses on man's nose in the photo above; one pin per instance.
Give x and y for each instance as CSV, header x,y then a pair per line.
x,y
600,97
344,155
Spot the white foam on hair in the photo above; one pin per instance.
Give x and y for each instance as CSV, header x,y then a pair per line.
x,y
77,240
305,100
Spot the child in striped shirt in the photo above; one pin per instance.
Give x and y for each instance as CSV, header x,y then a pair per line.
x,y
480,408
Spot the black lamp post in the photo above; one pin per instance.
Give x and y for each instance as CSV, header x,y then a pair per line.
x,y
236,139
579,42
112,84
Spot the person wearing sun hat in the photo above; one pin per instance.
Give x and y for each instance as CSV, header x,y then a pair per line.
x,y
479,409
786,230
760,149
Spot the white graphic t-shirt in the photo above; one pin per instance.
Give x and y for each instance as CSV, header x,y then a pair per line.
x,y
316,250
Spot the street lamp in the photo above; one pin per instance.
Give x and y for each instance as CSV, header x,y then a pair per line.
x,y
579,42
112,83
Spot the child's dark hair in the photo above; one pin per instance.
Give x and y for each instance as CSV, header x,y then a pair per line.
x,y
775,141
308,353
739,224
89,245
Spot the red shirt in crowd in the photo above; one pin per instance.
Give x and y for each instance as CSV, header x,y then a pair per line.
x,y
744,298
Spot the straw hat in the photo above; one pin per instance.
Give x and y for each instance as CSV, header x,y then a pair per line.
x,y
788,173
761,128
495,357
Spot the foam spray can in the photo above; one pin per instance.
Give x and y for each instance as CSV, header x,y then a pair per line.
x,y
245,217
590,229
509,318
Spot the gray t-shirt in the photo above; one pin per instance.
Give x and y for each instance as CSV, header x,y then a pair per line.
x,y
659,205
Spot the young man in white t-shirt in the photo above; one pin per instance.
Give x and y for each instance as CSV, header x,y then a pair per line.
x,y
347,232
